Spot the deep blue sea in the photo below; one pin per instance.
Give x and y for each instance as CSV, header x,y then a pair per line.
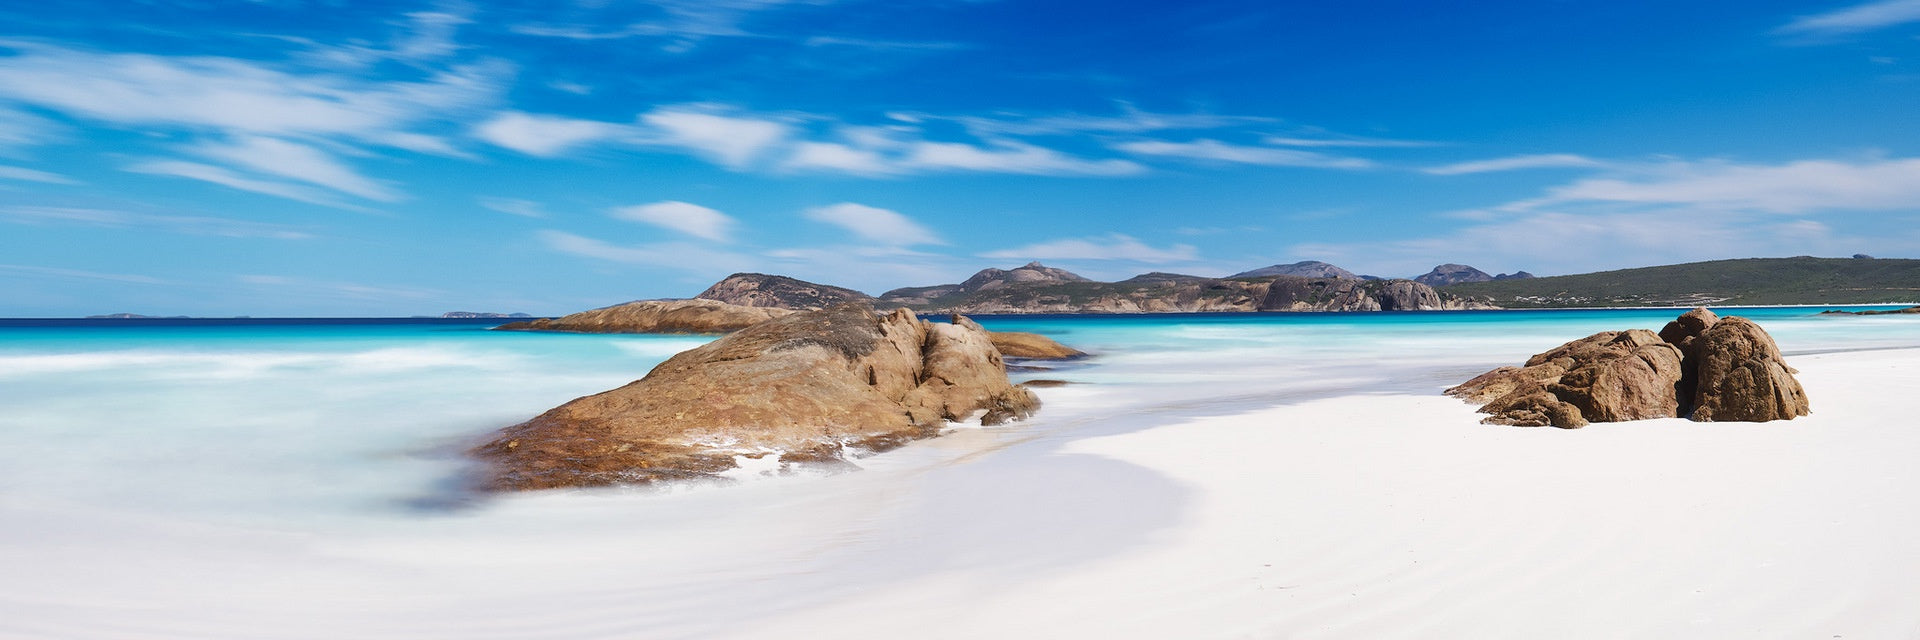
x,y
292,420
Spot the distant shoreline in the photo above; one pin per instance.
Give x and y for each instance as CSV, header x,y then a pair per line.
x,y
264,320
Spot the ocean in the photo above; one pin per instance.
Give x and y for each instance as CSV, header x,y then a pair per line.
x,y
213,478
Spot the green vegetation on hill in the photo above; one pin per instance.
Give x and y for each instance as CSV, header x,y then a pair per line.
x,y
1751,281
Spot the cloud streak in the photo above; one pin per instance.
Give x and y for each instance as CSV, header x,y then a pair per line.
x,y
1796,187
684,217
1513,163
1855,19
1215,151
190,225
1111,247
874,224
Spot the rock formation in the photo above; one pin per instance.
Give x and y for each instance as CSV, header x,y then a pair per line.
x,y
1325,294
656,316
1447,274
1305,269
1699,366
762,290
1741,376
801,387
1032,346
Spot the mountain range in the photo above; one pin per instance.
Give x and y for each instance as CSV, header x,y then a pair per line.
x,y
1037,288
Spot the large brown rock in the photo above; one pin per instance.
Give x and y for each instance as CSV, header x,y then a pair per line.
x,y
655,316
802,386
1032,346
1741,376
1699,366
1606,377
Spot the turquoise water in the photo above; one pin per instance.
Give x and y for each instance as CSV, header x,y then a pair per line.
x,y
292,424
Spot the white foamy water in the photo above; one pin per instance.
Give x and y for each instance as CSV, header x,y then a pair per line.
x,y
246,482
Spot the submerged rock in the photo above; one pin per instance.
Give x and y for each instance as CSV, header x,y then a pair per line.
x,y
655,316
1699,366
801,387
1032,346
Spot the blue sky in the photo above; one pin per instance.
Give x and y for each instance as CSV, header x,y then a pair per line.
x,y
199,157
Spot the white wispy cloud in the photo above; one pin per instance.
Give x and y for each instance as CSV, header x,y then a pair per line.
x,y
684,217
20,129
1111,247
883,226
1343,141
1129,120
1558,242
686,256
513,206
1511,163
1008,156
1855,19
733,141
78,274
1658,214
299,162
191,225
839,158
238,96
284,285
1208,150
544,135
227,178
1795,187
685,23
574,88
868,43
34,175
419,38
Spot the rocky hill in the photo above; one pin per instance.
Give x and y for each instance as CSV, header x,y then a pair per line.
x,y
1448,274
1800,280
1032,273
655,316
762,290
1305,269
1035,288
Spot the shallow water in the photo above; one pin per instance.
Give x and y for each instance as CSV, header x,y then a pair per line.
x,y
294,471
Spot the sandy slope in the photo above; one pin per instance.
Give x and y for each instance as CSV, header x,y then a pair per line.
x,y
1389,516
1398,517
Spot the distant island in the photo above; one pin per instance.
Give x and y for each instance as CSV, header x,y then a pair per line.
x,y
482,314
133,316
1802,280
1314,286
1037,288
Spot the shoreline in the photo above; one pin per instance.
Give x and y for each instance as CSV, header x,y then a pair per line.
x,y
42,322
1291,493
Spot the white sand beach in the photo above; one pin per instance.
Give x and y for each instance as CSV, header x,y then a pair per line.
x,y
1359,516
